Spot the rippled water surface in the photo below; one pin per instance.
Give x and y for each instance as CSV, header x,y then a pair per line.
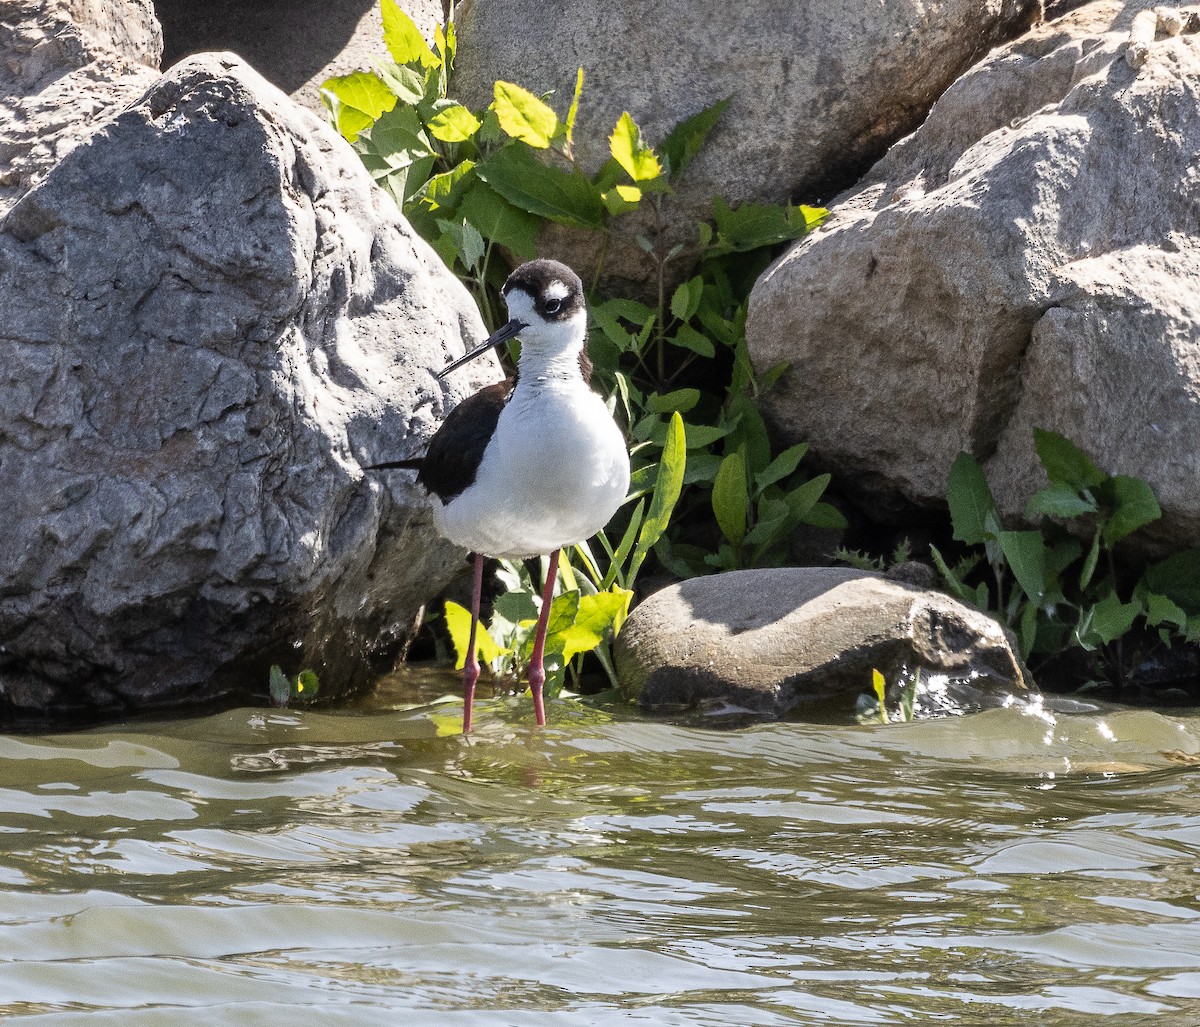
x,y
341,868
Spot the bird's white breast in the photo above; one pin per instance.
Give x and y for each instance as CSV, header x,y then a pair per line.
x,y
553,474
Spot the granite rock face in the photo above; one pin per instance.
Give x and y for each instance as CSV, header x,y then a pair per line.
x,y
818,90
788,640
65,67
1027,258
212,318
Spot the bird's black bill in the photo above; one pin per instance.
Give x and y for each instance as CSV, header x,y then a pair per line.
x,y
510,330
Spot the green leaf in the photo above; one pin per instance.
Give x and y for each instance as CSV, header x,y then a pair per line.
x,y
639,161
447,189
1178,578
1111,618
681,399
782,466
953,581
473,246
1089,563
458,623
499,221
625,547
686,337
1134,506
1027,629
684,141
1060,500
524,116
1161,610
686,299
398,138
403,39
453,124
970,501
666,493
621,199
1025,552
407,83
825,515
573,110
803,499
565,197
280,687
753,225
307,685
356,101
729,497
1065,462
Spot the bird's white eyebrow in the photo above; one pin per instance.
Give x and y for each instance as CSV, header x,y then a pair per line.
x,y
556,290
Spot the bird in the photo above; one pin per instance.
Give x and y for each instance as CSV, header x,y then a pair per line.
x,y
530,465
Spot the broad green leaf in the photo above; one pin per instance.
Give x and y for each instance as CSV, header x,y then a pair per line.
x,y
307,685
621,199
701,466
473,246
825,515
1060,500
970,501
407,83
403,39
1111,618
398,138
1025,552
804,498
573,111
772,518
524,116
356,101
684,141
1178,578
681,399
638,160
1027,629
453,124
753,225
686,299
1065,462
499,221
748,431
1134,506
730,498
782,466
447,189
458,623
1161,610
565,197
666,493
686,337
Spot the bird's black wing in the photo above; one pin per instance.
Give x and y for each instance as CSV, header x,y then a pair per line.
x,y
450,463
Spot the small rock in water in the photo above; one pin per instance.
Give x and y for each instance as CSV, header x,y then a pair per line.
x,y
775,640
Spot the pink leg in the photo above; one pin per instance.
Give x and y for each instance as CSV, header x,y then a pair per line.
x,y
537,671
471,667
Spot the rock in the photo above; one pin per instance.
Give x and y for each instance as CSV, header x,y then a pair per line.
x,y
65,66
1027,258
775,641
212,318
295,44
818,91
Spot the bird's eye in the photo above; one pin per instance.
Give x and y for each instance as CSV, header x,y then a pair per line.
x,y
553,305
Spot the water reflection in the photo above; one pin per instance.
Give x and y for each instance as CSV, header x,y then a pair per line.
x,y
1021,865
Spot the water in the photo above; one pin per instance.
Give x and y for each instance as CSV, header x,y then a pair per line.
x,y
340,868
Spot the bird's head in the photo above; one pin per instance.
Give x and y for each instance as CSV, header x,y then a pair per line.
x,y
546,309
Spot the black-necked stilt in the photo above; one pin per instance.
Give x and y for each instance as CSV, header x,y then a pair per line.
x,y
532,464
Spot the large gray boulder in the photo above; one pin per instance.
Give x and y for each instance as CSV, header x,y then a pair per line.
x,y
1027,258
212,318
800,639
66,66
818,90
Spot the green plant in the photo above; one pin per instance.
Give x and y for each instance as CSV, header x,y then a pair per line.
x,y
478,184
1056,590
285,691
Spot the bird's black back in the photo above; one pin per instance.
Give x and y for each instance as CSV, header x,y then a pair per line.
x,y
449,466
